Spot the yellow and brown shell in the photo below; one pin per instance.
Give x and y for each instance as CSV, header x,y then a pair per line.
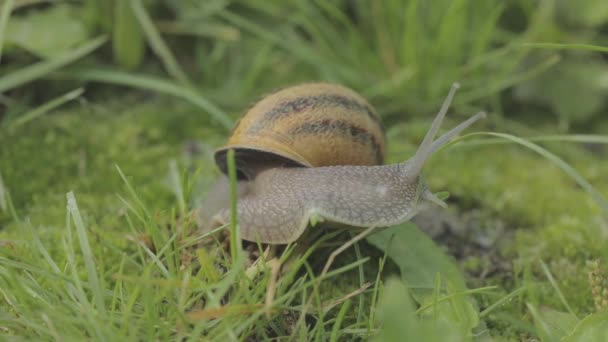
x,y
312,124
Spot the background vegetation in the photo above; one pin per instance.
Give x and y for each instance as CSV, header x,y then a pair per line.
x,y
118,104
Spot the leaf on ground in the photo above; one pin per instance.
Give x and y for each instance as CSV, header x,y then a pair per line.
x,y
418,257
592,328
46,33
397,315
420,260
556,324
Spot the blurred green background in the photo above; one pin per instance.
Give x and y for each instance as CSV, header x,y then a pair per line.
x,y
154,85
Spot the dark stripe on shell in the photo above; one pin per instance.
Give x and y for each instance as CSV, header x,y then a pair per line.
x,y
310,102
345,129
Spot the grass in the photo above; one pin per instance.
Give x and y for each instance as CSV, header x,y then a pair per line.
x,y
105,151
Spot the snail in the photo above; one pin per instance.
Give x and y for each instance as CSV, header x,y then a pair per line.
x,y
315,153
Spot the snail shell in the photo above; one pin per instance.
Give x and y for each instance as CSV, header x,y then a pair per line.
x,y
312,124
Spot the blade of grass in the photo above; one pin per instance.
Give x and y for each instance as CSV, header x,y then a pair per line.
x,y
578,138
5,13
3,195
315,280
175,183
157,43
376,294
542,327
159,263
569,170
47,107
149,83
235,236
289,44
502,301
557,46
10,206
439,299
117,292
362,281
52,330
128,41
133,193
23,266
339,319
559,292
40,69
211,30
93,277
41,249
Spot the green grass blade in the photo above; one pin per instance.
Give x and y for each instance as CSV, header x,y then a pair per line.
x,y
157,43
362,280
149,83
93,277
133,193
235,236
339,319
304,52
437,298
176,185
542,327
42,250
577,138
580,138
47,107
557,46
40,69
23,266
502,301
3,195
559,292
128,42
569,170
5,13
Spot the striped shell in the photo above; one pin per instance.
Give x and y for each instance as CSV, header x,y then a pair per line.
x,y
313,124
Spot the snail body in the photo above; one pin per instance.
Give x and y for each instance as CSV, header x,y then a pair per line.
x,y
278,197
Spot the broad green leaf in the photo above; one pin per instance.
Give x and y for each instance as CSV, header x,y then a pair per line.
x,y
397,313
556,324
399,322
418,257
592,328
47,33
420,261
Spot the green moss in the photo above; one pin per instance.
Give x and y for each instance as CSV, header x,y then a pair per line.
x,y
554,220
79,148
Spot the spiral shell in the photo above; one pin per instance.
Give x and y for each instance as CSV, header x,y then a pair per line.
x,y
312,124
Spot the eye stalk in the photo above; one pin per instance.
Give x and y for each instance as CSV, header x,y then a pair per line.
x,y
427,195
431,145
